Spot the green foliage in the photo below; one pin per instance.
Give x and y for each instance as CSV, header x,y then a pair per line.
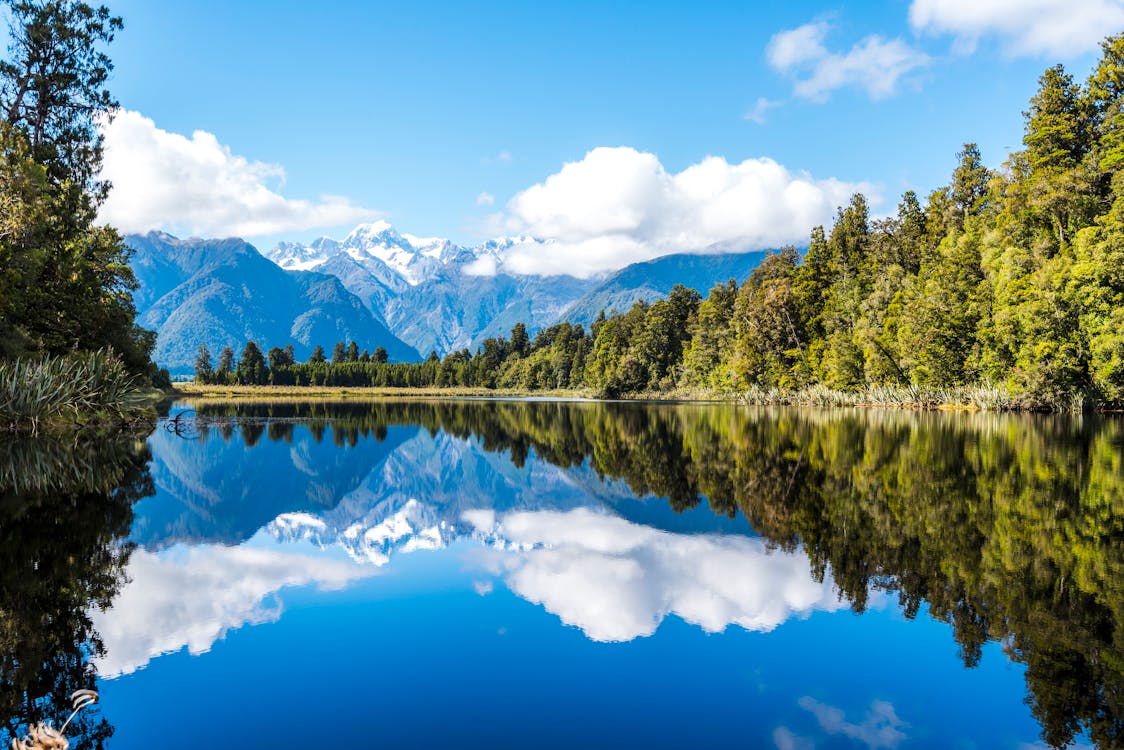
x,y
968,191
279,357
768,341
75,388
65,283
65,512
711,337
1105,91
520,342
226,363
943,302
252,369
204,368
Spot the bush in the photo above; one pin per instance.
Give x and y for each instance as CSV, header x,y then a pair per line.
x,y
74,388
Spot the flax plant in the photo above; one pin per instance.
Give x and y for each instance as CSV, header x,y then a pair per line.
x,y
71,388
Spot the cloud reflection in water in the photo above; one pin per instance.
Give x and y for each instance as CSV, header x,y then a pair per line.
x,y
191,596
616,580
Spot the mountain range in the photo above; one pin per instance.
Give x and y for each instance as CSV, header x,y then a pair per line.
x,y
411,295
224,293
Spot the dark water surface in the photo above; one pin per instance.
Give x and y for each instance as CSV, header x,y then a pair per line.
x,y
543,574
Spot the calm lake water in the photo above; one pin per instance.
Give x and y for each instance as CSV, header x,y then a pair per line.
x,y
544,574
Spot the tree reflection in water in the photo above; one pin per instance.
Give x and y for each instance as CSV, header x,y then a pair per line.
x,y
1010,528
65,507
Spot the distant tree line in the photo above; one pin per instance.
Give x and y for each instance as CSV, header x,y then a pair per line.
x,y
1010,278
554,359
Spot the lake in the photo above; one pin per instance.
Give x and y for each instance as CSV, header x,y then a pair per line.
x,y
557,574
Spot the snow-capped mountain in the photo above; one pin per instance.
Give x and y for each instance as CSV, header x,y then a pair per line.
x,y
438,295
224,293
418,496
379,247
421,294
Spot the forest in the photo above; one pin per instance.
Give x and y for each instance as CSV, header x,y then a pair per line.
x,y
1006,283
65,281
70,348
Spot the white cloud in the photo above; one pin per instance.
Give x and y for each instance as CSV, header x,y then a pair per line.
x,y
804,44
763,105
1057,28
485,199
619,206
195,185
617,580
485,265
191,596
881,727
874,64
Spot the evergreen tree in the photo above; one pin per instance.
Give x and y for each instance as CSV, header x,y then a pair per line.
x,y
353,352
67,283
279,357
937,332
1105,94
203,368
968,191
339,353
658,343
768,333
317,356
811,286
1055,135
710,339
520,343
226,363
379,355
252,368
841,365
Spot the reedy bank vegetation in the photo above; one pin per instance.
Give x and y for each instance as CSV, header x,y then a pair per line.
x,y
1002,289
74,389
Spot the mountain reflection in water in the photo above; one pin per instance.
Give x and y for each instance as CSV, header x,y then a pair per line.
x,y
611,517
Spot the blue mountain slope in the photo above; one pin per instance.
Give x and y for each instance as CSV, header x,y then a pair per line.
x,y
655,278
224,293
456,310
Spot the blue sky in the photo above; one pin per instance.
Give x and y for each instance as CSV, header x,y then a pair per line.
x,y
438,116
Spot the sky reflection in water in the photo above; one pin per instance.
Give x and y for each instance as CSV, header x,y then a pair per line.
x,y
424,587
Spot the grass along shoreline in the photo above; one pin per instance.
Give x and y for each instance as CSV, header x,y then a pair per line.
x,y
959,398
199,390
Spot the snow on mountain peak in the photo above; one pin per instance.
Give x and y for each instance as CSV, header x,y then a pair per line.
x,y
415,259
379,231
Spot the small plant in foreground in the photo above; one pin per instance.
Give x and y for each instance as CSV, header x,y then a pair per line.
x,y
75,386
42,736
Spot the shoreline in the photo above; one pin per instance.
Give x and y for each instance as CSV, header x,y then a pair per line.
x,y
960,399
